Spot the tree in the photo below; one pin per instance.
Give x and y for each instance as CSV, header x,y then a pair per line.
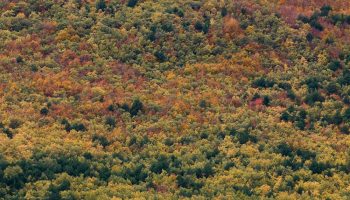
x,y
161,57
44,111
315,24
332,88
344,129
104,173
135,174
266,100
313,97
125,107
15,123
223,11
300,124
198,26
318,167
101,5
136,107
13,175
309,37
304,19
313,83
263,82
285,116
334,65
167,27
168,141
19,59
76,126
8,132
203,103
208,170
102,140
345,78
325,10
244,137
18,24
132,3
284,149
160,164
54,191
111,108
346,115
110,122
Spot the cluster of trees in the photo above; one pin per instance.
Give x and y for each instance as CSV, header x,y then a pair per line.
x,y
174,99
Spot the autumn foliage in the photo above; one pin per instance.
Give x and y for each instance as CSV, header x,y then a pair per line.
x,y
141,99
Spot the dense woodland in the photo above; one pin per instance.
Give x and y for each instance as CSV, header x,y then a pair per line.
x,y
164,99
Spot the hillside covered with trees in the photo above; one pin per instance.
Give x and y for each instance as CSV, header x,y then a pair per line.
x,y
164,99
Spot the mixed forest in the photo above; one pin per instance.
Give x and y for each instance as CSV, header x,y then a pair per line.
x,y
174,99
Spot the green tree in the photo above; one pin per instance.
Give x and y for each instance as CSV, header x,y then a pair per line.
x,y
132,3
101,5
136,107
13,175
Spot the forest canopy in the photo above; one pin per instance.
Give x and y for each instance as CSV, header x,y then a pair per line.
x,y
190,99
